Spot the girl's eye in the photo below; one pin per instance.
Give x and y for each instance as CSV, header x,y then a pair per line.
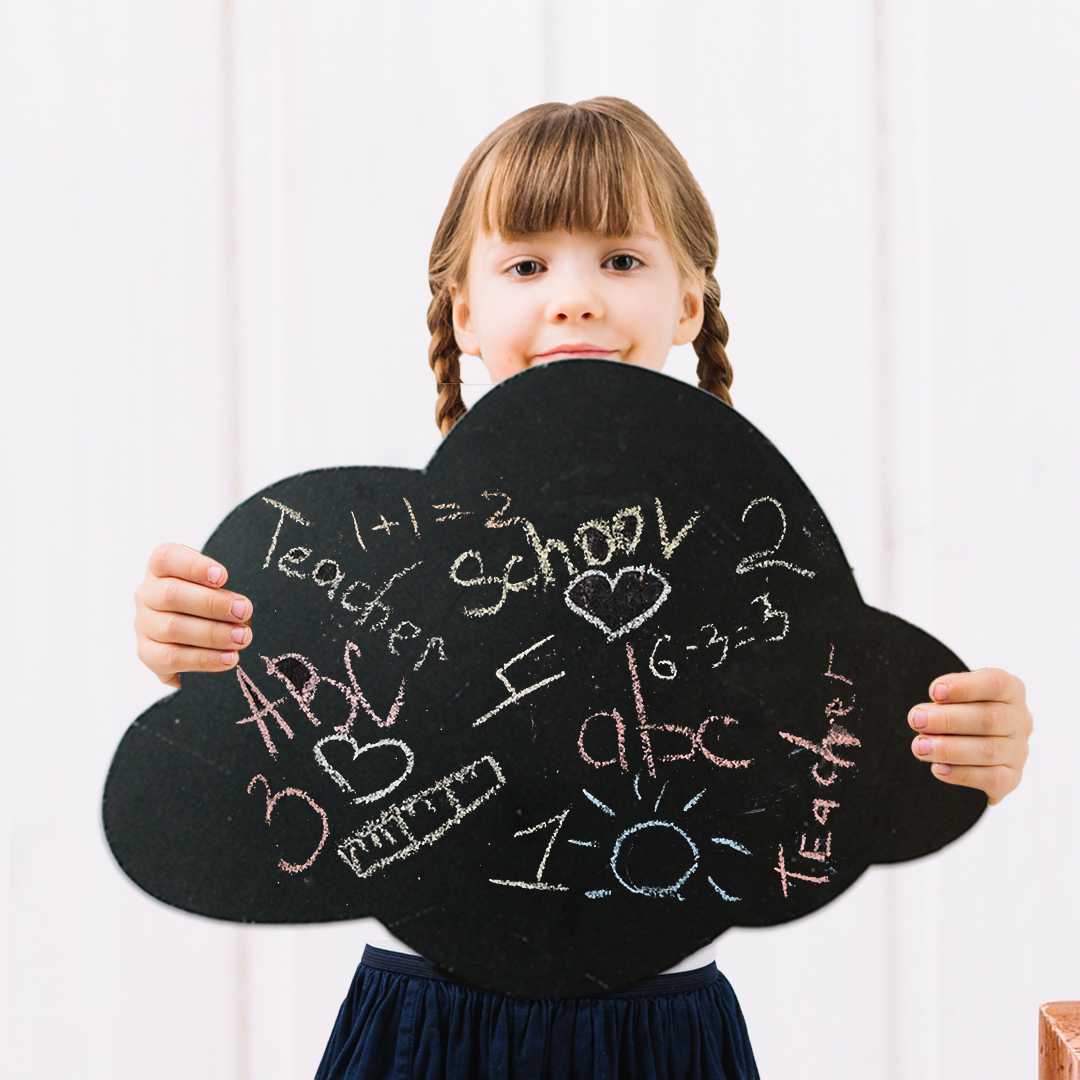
x,y
526,268
623,263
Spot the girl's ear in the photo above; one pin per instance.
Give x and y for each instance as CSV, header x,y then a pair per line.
x,y
693,314
463,328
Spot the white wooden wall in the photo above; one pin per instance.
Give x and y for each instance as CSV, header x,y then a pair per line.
x,y
215,223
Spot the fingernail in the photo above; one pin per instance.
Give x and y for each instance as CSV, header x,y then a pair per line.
x,y
239,609
941,769
215,573
228,658
239,635
918,718
924,746
940,691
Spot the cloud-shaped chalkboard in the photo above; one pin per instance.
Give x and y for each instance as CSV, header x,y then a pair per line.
x,y
593,687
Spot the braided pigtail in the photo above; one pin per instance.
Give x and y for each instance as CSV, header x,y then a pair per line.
x,y
714,369
444,358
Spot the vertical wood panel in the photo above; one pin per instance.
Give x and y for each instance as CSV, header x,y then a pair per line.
x,y
113,440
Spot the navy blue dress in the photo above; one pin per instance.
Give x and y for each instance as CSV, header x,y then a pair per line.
x,y
405,1020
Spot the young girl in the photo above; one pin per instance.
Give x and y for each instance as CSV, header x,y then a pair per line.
x,y
571,231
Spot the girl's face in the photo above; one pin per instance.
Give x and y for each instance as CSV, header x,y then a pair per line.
x,y
558,294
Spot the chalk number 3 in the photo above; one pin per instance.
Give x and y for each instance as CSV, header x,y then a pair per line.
x,y
271,802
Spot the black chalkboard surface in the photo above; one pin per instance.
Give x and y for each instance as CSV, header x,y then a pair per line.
x,y
593,687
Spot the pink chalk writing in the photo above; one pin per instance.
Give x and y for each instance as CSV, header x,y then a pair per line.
x,y
620,738
816,854
829,673
261,707
837,736
695,736
271,802
786,874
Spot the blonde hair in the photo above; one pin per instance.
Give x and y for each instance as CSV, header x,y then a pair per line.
x,y
590,167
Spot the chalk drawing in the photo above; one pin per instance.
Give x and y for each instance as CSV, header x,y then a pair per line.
x,y
412,516
822,808
508,586
835,709
596,894
458,512
320,757
435,643
618,527
539,883
596,802
786,874
293,557
667,547
715,639
601,530
356,526
285,510
397,635
695,736
271,802
694,799
645,587
362,701
543,550
331,579
670,671
365,610
773,613
620,737
837,736
830,674
517,695
654,890
730,843
758,559
390,837
261,707
725,895
816,853
497,521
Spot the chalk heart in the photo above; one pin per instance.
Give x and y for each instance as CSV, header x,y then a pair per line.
x,y
620,603
357,749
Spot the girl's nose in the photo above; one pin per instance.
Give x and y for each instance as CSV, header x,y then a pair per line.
x,y
575,301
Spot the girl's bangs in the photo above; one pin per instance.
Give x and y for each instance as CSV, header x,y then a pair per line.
x,y
575,171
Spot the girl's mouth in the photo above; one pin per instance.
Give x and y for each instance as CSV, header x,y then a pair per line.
x,y
586,351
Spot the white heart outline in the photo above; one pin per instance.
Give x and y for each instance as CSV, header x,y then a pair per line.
x,y
344,784
637,620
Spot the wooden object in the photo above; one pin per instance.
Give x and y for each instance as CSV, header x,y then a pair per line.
x,y
1059,1040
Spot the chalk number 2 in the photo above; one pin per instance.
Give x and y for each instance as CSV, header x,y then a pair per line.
x,y
760,558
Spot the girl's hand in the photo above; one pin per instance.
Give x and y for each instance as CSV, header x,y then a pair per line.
x,y
184,620
975,730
